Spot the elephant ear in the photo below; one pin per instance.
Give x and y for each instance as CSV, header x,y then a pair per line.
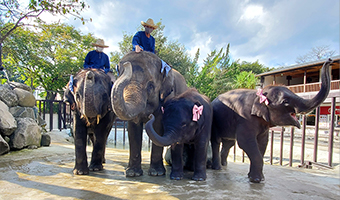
x,y
167,87
68,94
260,109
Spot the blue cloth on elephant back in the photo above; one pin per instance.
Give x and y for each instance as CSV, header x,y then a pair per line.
x,y
97,60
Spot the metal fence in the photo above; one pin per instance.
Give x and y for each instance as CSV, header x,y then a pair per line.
x,y
285,147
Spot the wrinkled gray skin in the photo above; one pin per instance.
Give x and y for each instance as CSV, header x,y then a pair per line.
x,y
180,129
239,115
93,116
138,92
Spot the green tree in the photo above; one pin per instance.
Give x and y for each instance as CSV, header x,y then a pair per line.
x,y
246,80
47,57
13,14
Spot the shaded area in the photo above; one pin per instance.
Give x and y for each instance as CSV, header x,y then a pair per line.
x,y
46,173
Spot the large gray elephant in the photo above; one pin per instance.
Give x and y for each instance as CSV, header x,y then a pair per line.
x,y
143,84
246,115
187,119
88,94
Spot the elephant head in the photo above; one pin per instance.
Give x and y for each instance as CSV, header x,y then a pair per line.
x,y
183,118
88,93
278,106
142,85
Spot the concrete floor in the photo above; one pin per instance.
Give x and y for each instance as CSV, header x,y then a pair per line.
x,y
46,173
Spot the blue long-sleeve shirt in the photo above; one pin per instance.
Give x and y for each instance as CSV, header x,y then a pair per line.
x,y
97,60
147,44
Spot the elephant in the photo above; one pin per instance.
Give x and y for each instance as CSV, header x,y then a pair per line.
x,y
140,90
187,119
88,94
246,115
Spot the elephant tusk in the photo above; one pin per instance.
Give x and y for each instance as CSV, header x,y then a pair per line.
x,y
98,118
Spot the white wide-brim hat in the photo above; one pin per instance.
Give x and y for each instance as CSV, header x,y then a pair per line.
x,y
100,43
150,23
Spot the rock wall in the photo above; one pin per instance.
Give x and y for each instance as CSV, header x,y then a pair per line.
x,y
20,124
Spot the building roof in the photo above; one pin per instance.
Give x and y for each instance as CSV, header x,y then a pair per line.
x,y
310,67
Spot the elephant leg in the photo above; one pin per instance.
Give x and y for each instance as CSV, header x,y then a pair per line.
x,y
98,153
250,146
200,161
177,162
226,145
156,165
215,147
80,138
135,132
262,141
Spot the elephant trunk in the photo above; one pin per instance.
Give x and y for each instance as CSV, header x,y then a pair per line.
x,y
90,107
127,96
158,140
308,105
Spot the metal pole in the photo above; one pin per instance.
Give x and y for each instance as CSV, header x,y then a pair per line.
x,y
271,146
303,138
291,146
331,133
281,145
316,134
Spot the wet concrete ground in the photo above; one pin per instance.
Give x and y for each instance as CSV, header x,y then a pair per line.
x,y
46,173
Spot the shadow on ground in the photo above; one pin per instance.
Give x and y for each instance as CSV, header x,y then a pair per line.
x,y
46,173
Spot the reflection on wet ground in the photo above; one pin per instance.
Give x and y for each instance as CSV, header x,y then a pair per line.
x,y
46,173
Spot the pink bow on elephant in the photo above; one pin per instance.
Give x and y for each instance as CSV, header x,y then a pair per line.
x,y
196,112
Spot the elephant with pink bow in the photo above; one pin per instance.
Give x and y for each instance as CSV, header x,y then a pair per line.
x,y
187,119
246,115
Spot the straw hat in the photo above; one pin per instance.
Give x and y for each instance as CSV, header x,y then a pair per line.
x,y
150,23
100,43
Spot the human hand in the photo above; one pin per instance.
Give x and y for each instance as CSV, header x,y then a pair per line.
x,y
138,49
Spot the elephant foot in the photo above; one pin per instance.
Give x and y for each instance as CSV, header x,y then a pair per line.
x,y
96,167
255,178
176,175
224,162
216,166
156,171
81,171
199,177
133,172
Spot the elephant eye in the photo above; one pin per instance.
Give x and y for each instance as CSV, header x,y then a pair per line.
x,y
285,102
150,87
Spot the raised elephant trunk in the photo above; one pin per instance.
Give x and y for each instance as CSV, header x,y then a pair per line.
x,y
308,105
158,140
127,98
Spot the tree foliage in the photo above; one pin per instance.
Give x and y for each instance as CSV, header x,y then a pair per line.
x,y
316,53
14,15
46,57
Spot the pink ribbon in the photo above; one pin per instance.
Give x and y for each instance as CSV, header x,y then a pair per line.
x,y
263,98
162,109
196,112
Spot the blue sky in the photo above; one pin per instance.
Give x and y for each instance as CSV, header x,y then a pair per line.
x,y
275,32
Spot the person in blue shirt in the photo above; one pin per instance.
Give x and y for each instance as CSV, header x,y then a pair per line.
x,y
143,40
97,59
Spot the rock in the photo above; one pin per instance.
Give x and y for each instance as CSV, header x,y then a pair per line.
x,y
23,112
8,124
4,147
25,98
28,133
8,96
20,85
45,140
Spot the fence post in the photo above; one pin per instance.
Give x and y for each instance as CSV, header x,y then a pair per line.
x,y
281,144
291,146
51,115
316,134
303,138
331,133
271,146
